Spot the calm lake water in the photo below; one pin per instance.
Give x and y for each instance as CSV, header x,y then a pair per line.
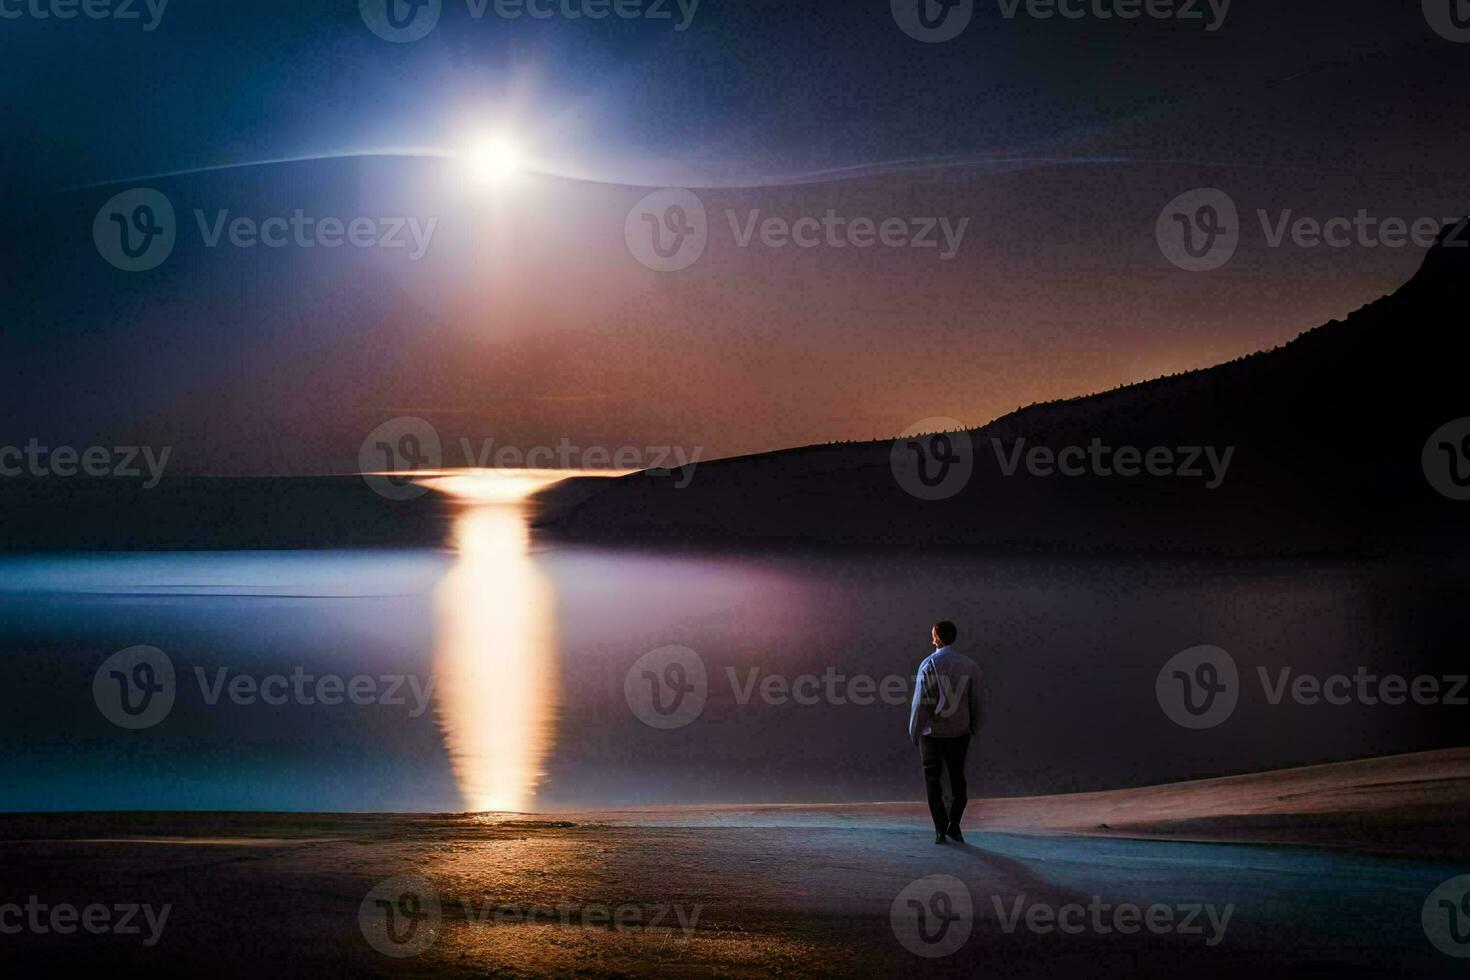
x,y
503,673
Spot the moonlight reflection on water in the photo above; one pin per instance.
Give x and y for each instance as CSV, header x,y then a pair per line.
x,y
496,661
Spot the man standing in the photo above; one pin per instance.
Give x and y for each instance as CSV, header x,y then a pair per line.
x,y
945,716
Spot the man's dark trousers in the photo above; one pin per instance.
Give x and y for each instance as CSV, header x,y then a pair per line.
x,y
939,754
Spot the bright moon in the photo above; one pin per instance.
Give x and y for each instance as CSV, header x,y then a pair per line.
x,y
495,160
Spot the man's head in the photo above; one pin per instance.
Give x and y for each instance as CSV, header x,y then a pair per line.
x,y
943,633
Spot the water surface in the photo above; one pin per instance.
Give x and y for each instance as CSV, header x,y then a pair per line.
x,y
512,660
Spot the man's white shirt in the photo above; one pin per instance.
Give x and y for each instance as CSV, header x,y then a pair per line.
x,y
947,696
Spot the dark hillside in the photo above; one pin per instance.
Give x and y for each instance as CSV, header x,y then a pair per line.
x,y
1327,434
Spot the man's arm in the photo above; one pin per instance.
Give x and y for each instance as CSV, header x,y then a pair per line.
x,y
918,713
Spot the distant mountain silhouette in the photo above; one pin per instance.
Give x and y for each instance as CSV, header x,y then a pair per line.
x,y
1328,432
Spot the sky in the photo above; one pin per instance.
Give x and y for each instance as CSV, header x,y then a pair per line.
x,y
1025,173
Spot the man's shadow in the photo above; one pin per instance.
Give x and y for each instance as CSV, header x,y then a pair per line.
x,y
1013,870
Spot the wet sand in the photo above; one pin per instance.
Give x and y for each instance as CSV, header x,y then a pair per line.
x,y
1321,868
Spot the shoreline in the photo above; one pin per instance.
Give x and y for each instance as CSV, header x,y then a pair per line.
x,y
1325,867
1403,805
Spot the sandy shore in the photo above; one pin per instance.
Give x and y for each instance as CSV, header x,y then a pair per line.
x,y
1323,868
1411,805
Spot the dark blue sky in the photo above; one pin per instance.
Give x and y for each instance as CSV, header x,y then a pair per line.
x,y
528,321
752,89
